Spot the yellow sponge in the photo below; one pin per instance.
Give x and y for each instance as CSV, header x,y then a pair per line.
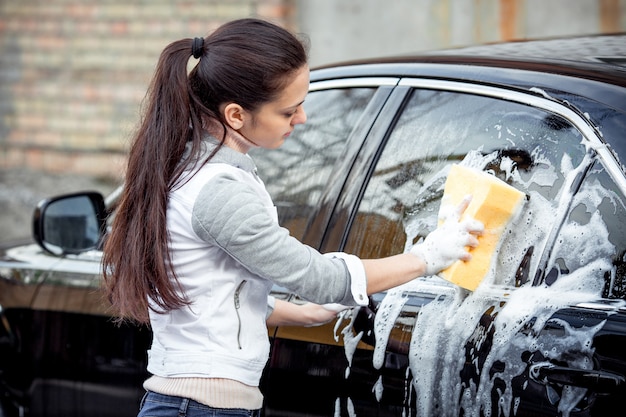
x,y
494,203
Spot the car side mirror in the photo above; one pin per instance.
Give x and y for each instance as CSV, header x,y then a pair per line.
x,y
70,223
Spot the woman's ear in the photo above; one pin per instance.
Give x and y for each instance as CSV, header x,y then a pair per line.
x,y
234,115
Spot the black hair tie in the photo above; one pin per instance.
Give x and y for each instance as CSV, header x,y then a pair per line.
x,y
197,47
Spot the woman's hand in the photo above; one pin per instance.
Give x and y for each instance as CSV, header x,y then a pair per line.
x,y
309,314
447,244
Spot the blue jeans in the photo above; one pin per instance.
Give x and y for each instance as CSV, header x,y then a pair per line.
x,y
158,405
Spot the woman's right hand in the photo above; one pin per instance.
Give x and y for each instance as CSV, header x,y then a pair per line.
x,y
448,243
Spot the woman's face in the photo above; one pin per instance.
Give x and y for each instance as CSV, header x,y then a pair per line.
x,y
274,121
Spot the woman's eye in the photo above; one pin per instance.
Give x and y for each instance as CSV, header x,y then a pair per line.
x,y
293,112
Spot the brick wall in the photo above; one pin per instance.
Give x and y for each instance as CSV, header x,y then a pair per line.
x,y
73,73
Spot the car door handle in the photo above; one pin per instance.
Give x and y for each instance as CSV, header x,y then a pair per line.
x,y
601,382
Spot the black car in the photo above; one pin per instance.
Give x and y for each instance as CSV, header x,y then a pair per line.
x,y
543,335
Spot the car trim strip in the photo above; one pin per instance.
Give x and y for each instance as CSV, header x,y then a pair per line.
x,y
354,82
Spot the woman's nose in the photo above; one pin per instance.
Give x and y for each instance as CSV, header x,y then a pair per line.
x,y
300,116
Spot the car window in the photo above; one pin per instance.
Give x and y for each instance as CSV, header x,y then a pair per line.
x,y
593,237
297,173
532,149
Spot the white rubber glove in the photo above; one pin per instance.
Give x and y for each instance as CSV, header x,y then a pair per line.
x,y
447,244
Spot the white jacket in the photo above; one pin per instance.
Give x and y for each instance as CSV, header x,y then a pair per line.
x,y
228,250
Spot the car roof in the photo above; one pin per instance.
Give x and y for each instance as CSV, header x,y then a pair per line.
x,y
596,58
604,53
608,49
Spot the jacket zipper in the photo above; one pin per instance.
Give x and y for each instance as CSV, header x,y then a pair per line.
x,y
237,305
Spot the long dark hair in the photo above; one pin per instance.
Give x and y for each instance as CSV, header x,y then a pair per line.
x,y
246,61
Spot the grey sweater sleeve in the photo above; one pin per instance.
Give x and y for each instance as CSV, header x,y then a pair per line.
x,y
229,213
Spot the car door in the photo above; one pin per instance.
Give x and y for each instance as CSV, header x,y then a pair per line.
x,y
536,337
305,177
62,353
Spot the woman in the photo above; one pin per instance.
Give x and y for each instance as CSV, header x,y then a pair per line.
x,y
195,245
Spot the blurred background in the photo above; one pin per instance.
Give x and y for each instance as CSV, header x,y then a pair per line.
x,y
73,72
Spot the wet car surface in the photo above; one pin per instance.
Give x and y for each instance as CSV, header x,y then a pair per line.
x,y
543,335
